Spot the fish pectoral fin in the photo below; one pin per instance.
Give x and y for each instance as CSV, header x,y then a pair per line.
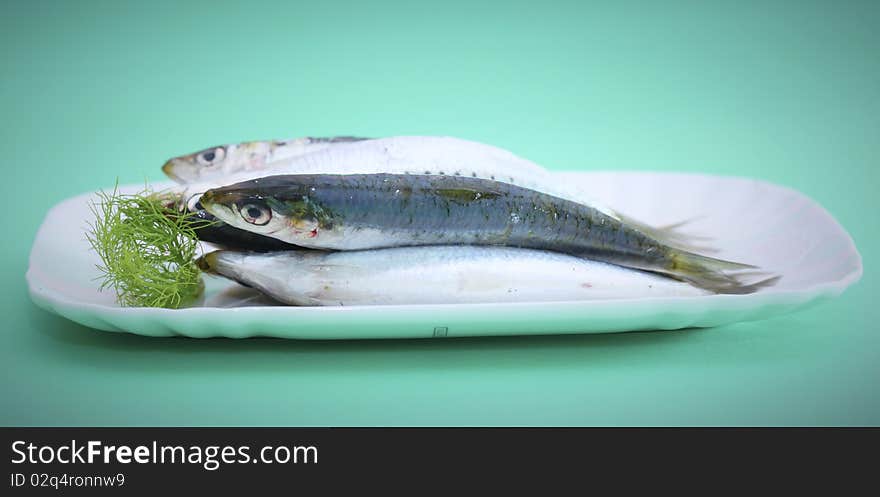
x,y
327,268
339,292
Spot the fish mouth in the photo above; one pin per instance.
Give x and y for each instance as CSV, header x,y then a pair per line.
x,y
221,204
168,169
212,199
208,262
227,197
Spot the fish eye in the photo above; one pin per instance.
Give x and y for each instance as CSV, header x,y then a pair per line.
x,y
210,156
256,214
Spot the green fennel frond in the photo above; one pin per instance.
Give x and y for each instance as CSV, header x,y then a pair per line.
x,y
147,247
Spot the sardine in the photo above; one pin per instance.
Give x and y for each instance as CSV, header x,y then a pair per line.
x,y
436,275
420,155
438,155
223,160
368,211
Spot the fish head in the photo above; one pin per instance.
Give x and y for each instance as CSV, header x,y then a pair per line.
x,y
216,162
277,206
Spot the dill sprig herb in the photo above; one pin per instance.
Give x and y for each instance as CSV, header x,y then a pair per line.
x,y
147,247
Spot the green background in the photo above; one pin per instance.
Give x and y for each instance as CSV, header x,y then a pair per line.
x,y
783,91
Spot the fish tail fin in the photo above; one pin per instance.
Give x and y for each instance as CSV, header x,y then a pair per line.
x,y
712,274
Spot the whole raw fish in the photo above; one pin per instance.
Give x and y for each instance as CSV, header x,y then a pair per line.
x,y
422,155
224,160
436,275
367,211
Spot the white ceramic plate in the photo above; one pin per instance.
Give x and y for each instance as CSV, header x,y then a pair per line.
x,y
776,228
